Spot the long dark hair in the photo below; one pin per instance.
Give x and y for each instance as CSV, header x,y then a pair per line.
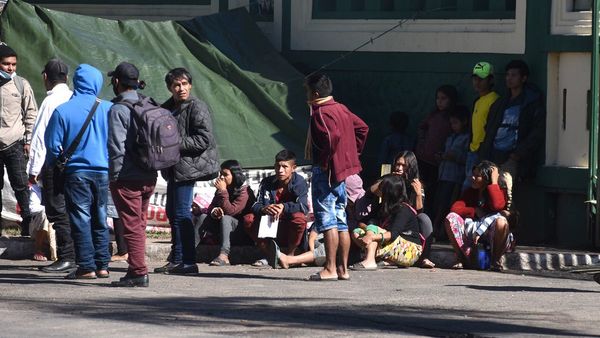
x,y
238,177
412,166
393,195
485,169
451,93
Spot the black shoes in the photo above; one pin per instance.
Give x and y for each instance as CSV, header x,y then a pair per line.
x,y
60,265
177,269
183,269
130,281
165,268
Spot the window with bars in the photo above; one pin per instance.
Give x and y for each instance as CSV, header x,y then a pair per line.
x,y
421,9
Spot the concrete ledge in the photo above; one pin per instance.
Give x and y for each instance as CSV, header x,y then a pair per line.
x,y
524,259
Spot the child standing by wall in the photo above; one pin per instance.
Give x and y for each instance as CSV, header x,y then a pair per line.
x,y
432,134
397,140
452,168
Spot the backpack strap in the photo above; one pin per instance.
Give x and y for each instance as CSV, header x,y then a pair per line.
x,y
20,85
71,149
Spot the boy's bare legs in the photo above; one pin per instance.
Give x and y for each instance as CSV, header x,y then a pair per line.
x,y
342,254
331,247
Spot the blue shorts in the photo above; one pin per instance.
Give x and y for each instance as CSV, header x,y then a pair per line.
x,y
329,202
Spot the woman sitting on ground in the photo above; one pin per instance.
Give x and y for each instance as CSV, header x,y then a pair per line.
x,y
405,165
476,217
233,199
393,235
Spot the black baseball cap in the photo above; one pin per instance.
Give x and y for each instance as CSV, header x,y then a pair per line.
x,y
55,69
127,74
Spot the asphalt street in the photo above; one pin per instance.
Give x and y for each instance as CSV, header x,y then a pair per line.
x,y
246,301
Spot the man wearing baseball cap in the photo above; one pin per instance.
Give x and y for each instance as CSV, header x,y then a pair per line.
x,y
131,185
54,76
18,112
483,83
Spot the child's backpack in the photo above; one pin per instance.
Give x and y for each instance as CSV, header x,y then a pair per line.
x,y
157,139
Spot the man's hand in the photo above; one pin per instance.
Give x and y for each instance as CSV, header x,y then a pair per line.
x,y
217,213
26,148
494,175
476,239
274,210
32,179
220,184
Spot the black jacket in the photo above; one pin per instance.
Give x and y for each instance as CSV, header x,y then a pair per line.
x,y
531,131
199,159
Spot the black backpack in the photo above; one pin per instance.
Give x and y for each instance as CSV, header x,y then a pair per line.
x,y
157,139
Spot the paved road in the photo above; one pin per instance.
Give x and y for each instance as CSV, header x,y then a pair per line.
x,y
245,301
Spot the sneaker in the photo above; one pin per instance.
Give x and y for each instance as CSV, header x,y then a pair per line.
x,y
183,269
165,268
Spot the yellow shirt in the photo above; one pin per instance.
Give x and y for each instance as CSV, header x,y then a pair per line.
x,y
480,115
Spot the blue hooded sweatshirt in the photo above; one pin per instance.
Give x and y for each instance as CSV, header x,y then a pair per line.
x,y
66,121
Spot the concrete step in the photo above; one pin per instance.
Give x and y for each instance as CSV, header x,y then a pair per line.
x,y
523,259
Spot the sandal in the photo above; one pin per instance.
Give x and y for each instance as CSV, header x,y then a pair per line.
x,y
457,266
40,257
219,262
427,264
261,263
362,267
102,273
317,278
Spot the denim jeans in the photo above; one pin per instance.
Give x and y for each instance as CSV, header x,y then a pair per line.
x,y
329,202
86,193
179,212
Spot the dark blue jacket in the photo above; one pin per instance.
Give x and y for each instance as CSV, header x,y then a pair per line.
x,y
268,189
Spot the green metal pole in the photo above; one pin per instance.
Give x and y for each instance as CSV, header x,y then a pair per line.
x,y
593,146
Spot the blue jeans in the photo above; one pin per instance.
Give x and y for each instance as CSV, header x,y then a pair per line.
x,y
329,202
179,212
86,194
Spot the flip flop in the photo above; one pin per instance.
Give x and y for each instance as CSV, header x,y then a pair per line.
x,y
219,262
261,263
317,278
273,254
457,266
79,275
361,267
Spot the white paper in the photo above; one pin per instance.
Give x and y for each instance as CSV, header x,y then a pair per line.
x,y
268,227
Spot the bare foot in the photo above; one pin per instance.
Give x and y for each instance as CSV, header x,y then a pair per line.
x,y
283,260
119,258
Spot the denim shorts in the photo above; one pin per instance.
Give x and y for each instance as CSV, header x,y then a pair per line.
x,y
329,202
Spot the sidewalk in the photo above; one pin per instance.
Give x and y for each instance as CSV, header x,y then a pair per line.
x,y
525,258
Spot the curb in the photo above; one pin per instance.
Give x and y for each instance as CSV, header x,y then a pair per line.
x,y
524,259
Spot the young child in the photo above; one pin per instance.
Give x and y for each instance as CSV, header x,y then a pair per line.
x,y
398,140
432,134
452,168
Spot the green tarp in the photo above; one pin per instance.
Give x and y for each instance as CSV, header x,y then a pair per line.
x,y
256,97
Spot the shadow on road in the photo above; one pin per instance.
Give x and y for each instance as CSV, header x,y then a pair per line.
x,y
515,288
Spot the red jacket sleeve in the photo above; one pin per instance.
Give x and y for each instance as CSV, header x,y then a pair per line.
x,y
497,199
464,206
325,136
